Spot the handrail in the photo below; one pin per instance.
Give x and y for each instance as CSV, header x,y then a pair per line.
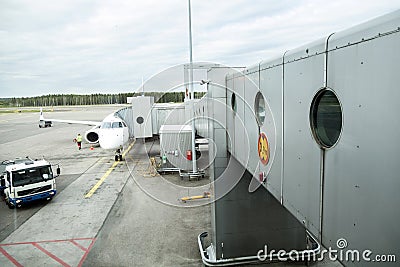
x,y
316,249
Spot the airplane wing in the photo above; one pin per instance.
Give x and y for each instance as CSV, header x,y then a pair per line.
x,y
92,123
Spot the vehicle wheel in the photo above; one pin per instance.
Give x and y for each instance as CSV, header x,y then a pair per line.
x,y
116,157
11,206
120,157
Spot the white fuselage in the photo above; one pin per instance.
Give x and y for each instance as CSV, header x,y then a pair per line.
x,y
113,133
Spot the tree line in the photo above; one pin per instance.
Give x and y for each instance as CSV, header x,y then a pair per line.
x,y
92,99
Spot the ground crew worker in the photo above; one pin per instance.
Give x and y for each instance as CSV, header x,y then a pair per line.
x,y
79,141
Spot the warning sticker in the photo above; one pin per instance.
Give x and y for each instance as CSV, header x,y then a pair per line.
x,y
263,148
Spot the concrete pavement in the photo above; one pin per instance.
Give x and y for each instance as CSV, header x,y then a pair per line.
x,y
119,225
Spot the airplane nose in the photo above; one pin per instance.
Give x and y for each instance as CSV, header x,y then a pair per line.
x,y
110,139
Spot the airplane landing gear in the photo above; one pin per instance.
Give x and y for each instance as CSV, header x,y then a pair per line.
x,y
118,155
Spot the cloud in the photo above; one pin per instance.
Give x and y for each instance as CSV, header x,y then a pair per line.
x,y
70,46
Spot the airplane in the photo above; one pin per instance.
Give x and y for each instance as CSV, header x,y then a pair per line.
x,y
111,133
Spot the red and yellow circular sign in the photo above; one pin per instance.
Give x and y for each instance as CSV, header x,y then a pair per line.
x,y
263,148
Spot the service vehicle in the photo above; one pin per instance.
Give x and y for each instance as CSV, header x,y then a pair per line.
x,y
25,180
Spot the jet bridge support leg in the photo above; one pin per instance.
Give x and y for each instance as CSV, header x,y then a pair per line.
x,y
118,154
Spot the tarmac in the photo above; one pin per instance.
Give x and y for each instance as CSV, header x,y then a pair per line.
x,y
120,224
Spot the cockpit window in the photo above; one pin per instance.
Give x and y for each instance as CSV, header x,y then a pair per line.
x,y
106,125
117,124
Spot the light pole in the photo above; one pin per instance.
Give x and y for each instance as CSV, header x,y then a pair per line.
x,y
192,93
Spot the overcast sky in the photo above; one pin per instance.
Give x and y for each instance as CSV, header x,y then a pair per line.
x,y
69,46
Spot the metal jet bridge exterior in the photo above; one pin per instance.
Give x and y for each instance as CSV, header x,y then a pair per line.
x,y
317,130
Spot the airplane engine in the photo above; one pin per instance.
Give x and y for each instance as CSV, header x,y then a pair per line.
x,y
92,135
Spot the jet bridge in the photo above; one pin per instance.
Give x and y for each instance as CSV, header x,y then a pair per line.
x,y
315,130
245,220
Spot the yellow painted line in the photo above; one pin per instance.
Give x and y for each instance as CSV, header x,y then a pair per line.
x,y
108,172
129,148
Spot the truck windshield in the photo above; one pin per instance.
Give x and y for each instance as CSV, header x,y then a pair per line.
x,y
30,176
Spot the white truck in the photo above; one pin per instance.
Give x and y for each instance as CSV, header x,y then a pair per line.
x,y
26,180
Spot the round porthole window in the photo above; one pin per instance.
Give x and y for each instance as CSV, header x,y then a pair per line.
x,y
326,118
233,102
139,120
259,108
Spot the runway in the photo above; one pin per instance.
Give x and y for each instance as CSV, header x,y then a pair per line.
x,y
115,224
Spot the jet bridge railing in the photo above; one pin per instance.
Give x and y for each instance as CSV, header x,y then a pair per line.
x,y
209,258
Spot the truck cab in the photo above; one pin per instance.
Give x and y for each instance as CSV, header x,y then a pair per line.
x,y
26,180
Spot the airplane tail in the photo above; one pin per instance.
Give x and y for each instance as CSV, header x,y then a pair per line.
x,y
41,117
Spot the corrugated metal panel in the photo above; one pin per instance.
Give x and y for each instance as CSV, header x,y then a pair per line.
x,y
202,117
230,114
241,142
301,182
362,170
271,87
246,222
369,30
167,116
142,106
251,127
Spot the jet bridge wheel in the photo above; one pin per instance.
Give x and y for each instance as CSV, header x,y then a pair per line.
x,y
118,155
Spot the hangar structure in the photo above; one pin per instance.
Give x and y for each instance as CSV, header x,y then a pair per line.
x,y
317,130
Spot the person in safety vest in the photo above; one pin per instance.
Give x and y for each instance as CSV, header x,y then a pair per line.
x,y
79,141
